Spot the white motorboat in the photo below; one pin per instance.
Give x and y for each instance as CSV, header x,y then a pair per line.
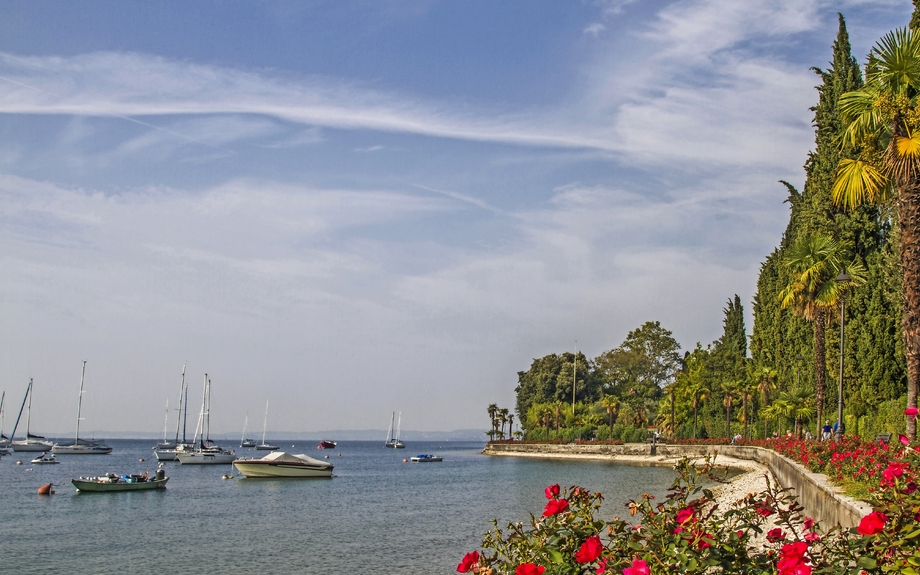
x,y
265,446
393,440
32,443
45,459
425,458
81,446
205,451
281,464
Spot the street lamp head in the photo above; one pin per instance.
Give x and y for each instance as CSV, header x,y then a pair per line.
x,y
843,278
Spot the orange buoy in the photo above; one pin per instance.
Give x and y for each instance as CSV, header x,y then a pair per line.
x,y
45,489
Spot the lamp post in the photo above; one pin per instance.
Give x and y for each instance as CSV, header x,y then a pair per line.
x,y
842,280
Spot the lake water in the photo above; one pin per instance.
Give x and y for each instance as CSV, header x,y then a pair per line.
x,y
377,514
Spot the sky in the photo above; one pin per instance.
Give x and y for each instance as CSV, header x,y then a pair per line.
x,y
347,209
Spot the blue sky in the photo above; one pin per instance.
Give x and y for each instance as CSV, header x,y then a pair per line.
x,y
353,208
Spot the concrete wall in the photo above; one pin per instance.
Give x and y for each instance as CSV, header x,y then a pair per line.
x,y
820,499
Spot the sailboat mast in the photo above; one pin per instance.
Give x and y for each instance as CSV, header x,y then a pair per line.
x,y
398,425
79,405
200,426
2,399
21,407
265,422
245,423
166,422
185,410
29,414
207,416
179,417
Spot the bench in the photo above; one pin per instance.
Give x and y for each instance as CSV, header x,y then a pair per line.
x,y
884,437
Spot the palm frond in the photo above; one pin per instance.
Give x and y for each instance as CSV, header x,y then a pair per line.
x,y
895,63
862,116
904,154
857,182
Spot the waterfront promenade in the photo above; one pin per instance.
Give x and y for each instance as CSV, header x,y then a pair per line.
x,y
820,499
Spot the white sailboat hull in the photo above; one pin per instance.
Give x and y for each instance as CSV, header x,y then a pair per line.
x,y
206,457
31,446
82,449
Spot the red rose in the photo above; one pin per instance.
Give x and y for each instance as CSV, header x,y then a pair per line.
x,y
638,567
529,569
903,439
809,523
470,560
872,523
911,412
589,550
552,491
684,515
602,567
775,535
764,511
555,506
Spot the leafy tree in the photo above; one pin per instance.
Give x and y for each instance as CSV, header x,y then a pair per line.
x,y
550,379
647,360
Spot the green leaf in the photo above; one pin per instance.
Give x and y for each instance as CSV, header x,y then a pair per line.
x,y
866,562
555,555
912,535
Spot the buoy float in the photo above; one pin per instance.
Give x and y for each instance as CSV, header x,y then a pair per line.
x,y
141,459
405,461
340,455
45,489
327,457
19,463
228,476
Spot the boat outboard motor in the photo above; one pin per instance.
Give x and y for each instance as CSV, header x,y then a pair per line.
x,y
160,474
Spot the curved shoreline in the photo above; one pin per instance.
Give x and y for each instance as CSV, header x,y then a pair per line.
x,y
820,499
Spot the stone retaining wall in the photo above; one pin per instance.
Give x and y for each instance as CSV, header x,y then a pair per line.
x,y
821,500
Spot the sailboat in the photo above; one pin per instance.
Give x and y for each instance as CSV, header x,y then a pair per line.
x,y
205,451
4,440
265,446
31,442
166,443
393,441
245,441
169,453
81,446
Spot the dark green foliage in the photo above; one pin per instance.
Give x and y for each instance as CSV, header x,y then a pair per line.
x,y
874,368
915,17
550,379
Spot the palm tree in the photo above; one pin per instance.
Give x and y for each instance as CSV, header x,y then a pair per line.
x,y
696,387
611,403
814,264
796,405
729,391
747,395
881,124
503,419
766,382
493,409
510,424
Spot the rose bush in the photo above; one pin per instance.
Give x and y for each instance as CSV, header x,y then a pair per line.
x,y
688,533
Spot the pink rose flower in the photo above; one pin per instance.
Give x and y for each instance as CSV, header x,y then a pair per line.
x,y
470,560
638,567
552,491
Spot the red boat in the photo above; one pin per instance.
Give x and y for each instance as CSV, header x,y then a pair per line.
x,y
326,444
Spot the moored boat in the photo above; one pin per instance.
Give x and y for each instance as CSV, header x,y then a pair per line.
x,y
425,458
281,464
45,459
205,452
112,482
32,443
81,446
393,441
326,444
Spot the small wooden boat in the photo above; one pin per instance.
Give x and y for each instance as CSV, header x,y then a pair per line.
x,y
425,458
112,482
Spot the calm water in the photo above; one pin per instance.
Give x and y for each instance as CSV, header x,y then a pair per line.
x,y
376,514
